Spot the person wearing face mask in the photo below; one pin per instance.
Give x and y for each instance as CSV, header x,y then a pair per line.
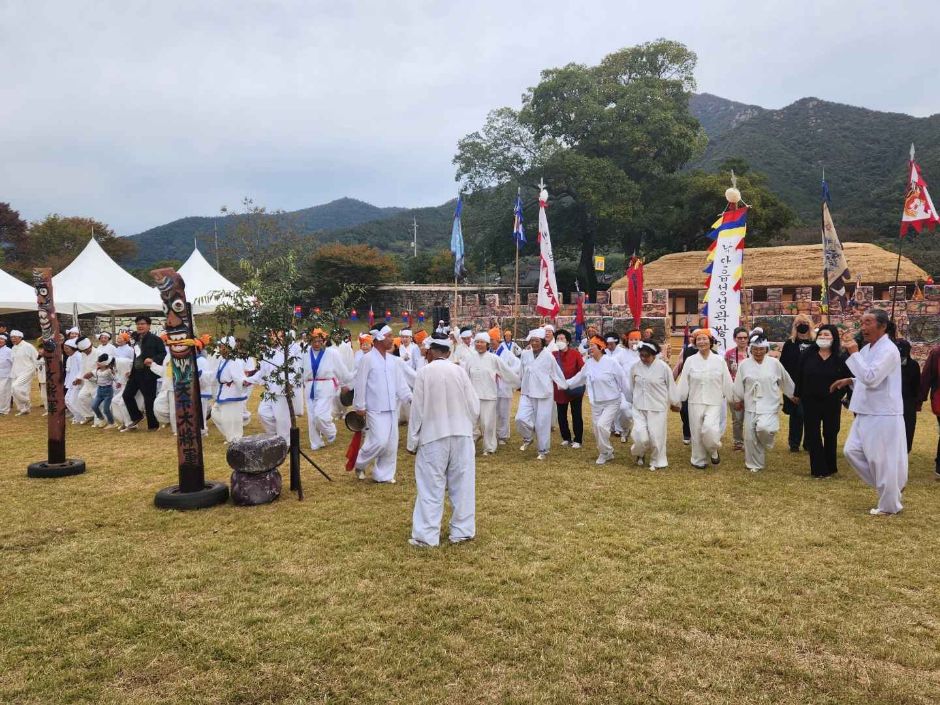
x,y
534,415
821,366
910,389
757,388
706,384
800,340
571,362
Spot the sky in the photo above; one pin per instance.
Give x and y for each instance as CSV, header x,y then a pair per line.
x,y
138,113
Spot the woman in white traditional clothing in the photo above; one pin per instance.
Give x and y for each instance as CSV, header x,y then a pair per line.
x,y
122,372
6,375
25,360
324,375
230,394
537,401
85,382
485,370
706,384
758,384
654,393
607,385
73,365
505,390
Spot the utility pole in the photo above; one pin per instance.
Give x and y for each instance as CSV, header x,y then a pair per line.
x,y
414,242
215,228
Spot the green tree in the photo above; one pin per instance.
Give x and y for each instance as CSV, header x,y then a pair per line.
x,y
602,136
14,239
57,240
256,235
335,265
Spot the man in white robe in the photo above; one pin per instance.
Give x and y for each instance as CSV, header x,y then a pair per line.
x,y
462,348
230,393
485,371
25,361
505,391
297,350
73,364
705,383
273,410
537,402
379,387
758,384
6,376
654,393
877,443
444,411
324,375
86,383
122,372
607,384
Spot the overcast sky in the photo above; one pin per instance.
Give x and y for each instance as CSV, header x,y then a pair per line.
x,y
138,113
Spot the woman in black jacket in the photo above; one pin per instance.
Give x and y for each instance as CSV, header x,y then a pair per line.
x,y
820,366
910,389
801,338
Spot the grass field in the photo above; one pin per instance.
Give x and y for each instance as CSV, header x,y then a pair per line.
x,y
584,585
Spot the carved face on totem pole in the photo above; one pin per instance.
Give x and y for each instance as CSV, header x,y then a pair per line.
x,y
46,310
178,323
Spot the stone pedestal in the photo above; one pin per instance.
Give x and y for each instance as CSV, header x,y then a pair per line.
x,y
249,489
254,461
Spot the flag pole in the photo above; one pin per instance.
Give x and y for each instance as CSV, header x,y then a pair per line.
x,y
897,274
822,235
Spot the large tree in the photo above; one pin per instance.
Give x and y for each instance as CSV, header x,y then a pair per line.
x,y
14,237
602,136
335,265
56,240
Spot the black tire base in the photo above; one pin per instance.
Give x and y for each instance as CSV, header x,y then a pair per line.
x,y
212,494
44,469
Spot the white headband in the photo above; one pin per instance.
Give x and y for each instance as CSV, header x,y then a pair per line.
x,y
16,334
405,332
482,337
536,333
434,341
84,344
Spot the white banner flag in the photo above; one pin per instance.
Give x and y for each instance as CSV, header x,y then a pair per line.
x,y
547,303
726,260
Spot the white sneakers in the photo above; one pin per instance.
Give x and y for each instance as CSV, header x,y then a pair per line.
x,y
525,444
603,459
360,474
639,461
576,445
565,444
540,456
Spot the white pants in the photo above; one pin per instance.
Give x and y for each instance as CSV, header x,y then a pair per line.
x,y
535,415
83,401
227,417
320,424
760,430
22,386
604,414
705,424
380,443
503,408
206,406
275,416
164,406
488,424
649,436
404,413
43,398
877,449
71,398
300,397
445,464
6,395
625,419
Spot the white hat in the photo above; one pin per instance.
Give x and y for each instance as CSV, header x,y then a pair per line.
x,y
466,333
427,343
70,344
436,341
482,337
73,329
108,359
380,334
16,334
106,333
228,341
549,326
83,344
405,331
3,335
536,333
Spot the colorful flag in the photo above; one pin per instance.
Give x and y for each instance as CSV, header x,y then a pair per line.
x,y
518,231
722,308
371,318
835,266
635,289
918,206
456,240
547,303
579,319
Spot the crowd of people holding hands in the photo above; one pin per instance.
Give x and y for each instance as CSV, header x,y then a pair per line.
x,y
456,386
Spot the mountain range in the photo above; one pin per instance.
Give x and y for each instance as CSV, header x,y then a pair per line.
x,y
864,154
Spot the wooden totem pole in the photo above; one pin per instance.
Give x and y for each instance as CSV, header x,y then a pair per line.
x,y
57,465
192,492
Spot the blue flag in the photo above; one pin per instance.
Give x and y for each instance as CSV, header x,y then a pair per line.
x,y
825,192
518,232
456,240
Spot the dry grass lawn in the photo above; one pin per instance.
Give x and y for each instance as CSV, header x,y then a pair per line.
x,y
585,584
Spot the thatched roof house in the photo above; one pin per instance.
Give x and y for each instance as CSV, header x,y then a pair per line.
x,y
786,267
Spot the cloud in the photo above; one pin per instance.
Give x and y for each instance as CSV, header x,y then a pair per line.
x,y
138,113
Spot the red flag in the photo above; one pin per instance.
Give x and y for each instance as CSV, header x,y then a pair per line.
x,y
371,318
352,452
918,206
579,318
635,289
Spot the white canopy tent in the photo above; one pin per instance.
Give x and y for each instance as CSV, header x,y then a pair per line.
x,y
95,283
201,278
15,295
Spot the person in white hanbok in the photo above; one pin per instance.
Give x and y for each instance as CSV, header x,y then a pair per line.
x,y
41,378
230,393
6,376
297,351
877,443
273,410
86,383
706,384
25,360
408,353
122,347
607,385
485,371
537,401
444,411
505,391
654,393
462,344
324,375
365,347
758,384
122,372
379,387
73,364
206,365
105,346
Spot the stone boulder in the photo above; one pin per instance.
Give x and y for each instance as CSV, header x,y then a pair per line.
x,y
254,461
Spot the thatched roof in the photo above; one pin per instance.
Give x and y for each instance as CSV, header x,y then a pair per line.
x,y
788,265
